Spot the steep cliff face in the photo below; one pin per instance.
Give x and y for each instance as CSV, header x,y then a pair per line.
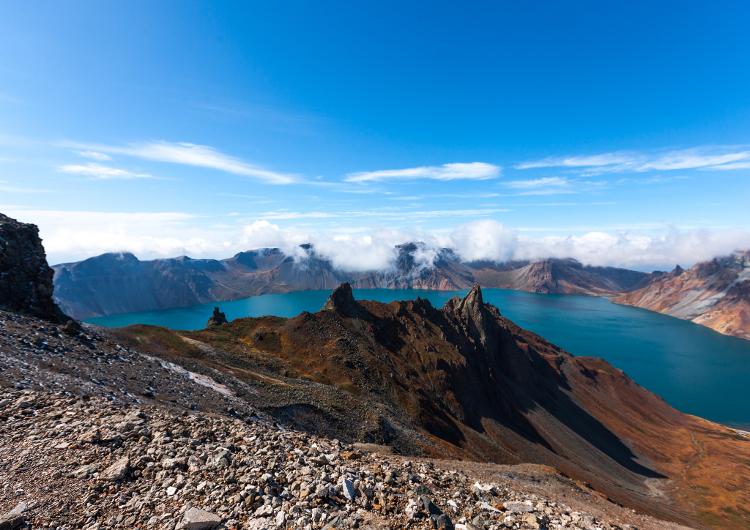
x,y
465,382
120,283
715,294
25,277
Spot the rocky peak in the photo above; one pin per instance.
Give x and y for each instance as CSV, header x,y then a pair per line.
x,y
473,315
217,318
342,301
25,276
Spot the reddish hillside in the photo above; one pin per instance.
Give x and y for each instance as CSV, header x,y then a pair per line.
x,y
465,382
715,294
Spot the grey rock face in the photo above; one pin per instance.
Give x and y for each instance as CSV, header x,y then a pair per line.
x,y
25,277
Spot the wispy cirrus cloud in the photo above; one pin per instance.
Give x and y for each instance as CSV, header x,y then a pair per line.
x,y
445,172
554,186
189,154
704,157
534,184
388,214
95,155
603,159
102,172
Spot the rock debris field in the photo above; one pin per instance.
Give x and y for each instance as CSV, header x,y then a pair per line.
x,y
83,444
82,463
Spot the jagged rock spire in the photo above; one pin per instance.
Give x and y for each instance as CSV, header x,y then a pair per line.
x,y
217,318
475,317
473,299
342,301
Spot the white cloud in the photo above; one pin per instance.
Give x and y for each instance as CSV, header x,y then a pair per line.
x,y
95,155
705,157
483,240
389,214
263,234
347,251
491,240
70,235
102,172
603,159
454,171
638,249
189,154
75,235
544,182
287,215
732,166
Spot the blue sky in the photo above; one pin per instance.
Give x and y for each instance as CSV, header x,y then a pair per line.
x,y
615,132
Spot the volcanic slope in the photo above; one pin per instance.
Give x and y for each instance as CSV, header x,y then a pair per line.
x,y
715,294
464,382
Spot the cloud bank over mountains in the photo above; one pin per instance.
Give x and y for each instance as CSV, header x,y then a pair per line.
x,y
70,236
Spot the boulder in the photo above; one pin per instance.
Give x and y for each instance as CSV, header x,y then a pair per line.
x,y
197,519
14,518
117,471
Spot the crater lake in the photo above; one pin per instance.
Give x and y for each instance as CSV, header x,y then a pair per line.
x,y
695,369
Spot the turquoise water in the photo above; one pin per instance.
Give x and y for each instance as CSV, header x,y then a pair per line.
x,y
695,369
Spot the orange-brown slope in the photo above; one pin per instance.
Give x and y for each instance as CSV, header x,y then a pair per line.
x,y
480,387
715,294
471,384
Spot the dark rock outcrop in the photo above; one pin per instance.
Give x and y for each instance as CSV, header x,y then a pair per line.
x,y
217,318
25,277
342,301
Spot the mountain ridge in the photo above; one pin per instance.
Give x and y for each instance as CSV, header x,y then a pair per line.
x,y
120,283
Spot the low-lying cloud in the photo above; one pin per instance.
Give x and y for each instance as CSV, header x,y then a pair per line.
x,y
75,235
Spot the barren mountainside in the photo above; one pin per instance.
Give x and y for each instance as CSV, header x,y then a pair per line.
x,y
464,382
715,293
120,283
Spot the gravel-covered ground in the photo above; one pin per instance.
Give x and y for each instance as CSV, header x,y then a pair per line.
x,y
94,435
